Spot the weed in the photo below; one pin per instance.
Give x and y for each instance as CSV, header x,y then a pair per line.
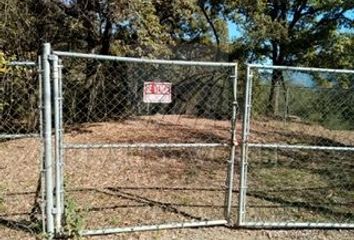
x,y
74,221
115,221
156,235
185,200
2,206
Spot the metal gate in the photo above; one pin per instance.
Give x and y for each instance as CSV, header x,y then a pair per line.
x,y
144,144
140,144
297,148
21,152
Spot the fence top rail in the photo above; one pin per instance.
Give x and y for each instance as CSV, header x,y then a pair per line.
x,y
289,146
22,63
143,145
143,60
302,69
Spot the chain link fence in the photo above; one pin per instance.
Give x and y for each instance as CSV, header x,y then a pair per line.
x,y
21,201
298,146
146,143
135,144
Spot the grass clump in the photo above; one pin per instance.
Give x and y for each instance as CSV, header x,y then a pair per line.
x,y
73,219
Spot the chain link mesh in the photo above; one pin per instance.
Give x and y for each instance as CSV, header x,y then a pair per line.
x,y
114,186
321,103
20,147
19,91
303,110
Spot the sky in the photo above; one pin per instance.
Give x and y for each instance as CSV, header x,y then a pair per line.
x,y
299,78
234,31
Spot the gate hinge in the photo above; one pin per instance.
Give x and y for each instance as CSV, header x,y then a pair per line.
x,y
54,211
52,57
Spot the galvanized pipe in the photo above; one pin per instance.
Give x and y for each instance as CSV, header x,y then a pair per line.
x,y
15,136
41,137
152,227
242,187
22,63
274,225
305,147
248,127
231,162
142,60
55,75
47,139
61,134
143,145
301,69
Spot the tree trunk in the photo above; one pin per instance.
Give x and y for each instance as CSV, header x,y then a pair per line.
x,y
272,99
277,79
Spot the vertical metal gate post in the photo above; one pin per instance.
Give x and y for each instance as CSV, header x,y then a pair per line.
x,y
245,132
58,190
41,135
248,127
231,162
61,134
47,140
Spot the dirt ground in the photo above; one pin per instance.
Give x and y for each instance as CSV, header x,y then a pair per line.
x,y
214,233
122,187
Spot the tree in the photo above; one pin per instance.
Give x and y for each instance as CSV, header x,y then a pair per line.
x,y
286,32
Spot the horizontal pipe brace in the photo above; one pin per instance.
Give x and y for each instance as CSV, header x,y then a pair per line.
x,y
52,57
144,145
152,227
295,225
287,146
141,60
14,136
302,69
22,63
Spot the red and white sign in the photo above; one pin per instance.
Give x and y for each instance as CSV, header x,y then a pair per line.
x,y
157,92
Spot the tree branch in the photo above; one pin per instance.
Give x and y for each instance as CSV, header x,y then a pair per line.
x,y
210,22
297,14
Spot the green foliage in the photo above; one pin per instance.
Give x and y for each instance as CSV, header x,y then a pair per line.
x,y
1,198
3,69
73,219
338,114
198,91
19,99
283,32
293,33
329,105
3,63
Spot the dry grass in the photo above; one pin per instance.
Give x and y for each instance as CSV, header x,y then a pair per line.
x,y
275,131
121,187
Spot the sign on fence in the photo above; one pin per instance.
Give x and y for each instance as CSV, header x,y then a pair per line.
x,y
157,92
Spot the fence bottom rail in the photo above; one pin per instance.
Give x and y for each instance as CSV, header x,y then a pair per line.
x,y
153,227
288,225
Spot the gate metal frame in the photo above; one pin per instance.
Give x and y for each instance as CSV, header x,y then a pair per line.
x,y
55,203
53,96
245,146
36,135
